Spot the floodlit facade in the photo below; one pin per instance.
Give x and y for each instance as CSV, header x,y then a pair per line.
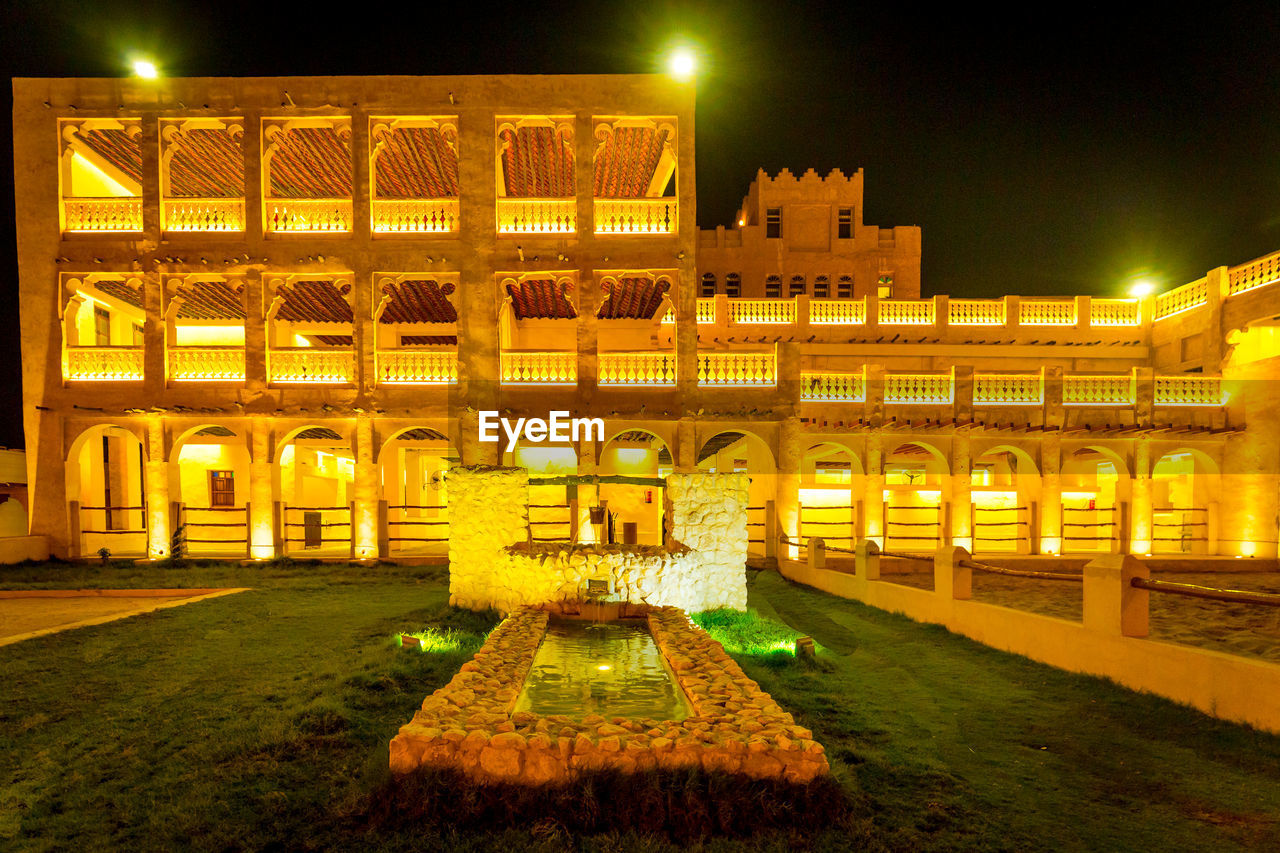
x,y
269,312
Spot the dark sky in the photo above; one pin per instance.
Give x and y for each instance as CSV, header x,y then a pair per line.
x,y
1043,150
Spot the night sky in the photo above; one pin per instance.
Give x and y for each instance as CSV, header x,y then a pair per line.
x,y
1043,152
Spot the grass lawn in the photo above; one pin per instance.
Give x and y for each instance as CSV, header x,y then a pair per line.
x,y
261,721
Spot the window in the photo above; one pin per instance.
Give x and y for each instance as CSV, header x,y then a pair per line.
x,y
733,284
844,223
773,287
708,285
797,285
821,287
101,327
222,488
884,286
844,288
773,222
137,334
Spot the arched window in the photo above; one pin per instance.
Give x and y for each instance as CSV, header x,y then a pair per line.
x,y
773,287
733,284
797,285
844,288
821,287
708,284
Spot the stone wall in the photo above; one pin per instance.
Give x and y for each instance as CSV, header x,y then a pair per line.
x,y
736,727
491,563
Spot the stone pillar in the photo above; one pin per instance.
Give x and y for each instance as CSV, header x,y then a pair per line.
x,y
873,386
950,578
262,525
873,501
817,553
1144,396
488,510
708,514
1111,605
154,344
961,492
157,491
255,331
364,524
1218,282
1050,499
866,560
685,453
472,450
588,494
1054,414
962,392
788,496
1141,518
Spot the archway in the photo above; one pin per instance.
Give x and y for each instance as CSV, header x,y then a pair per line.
x,y
414,493
1004,486
209,487
555,513
1185,487
915,482
106,493
636,510
739,451
831,487
316,477
1095,482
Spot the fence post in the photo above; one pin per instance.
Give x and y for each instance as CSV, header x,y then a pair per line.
x,y
384,529
770,530
1211,529
817,553
277,530
73,541
248,532
950,578
1033,528
176,521
1121,545
351,530
866,560
1111,605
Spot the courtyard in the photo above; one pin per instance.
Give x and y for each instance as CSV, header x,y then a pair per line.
x,y
261,720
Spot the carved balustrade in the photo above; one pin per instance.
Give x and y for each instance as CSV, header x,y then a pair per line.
x,y
975,312
1115,390
1047,312
415,216
833,387
417,367
635,215
189,364
101,364
312,365
1181,299
637,368
204,214
906,312
307,215
762,311
537,215
1115,312
1008,389
729,369
918,388
838,312
1189,391
540,368
102,214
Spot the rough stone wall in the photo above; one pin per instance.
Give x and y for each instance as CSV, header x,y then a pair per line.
x,y
488,510
491,564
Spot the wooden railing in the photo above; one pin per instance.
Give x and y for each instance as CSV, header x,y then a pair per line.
x,y
417,367
102,214
537,215
976,312
1008,389
918,388
540,368
189,364
1115,390
204,214
635,215
312,365
637,368
1189,391
307,215
415,216
729,369
103,364
833,387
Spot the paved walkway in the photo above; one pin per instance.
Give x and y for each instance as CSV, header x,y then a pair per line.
x,y
25,614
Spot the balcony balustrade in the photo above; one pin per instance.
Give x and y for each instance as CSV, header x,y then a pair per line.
x,y
1047,312
975,312
1181,299
204,214
417,367
312,365
635,215
103,364
838,312
1008,389
1257,273
540,368
1189,391
308,216
833,387
735,369
762,311
415,216
637,368
102,214
918,388
1098,390
706,312
1115,312
906,312
537,215
206,364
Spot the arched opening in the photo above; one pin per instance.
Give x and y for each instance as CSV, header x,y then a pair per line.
x,y
1184,499
106,494
316,471
209,486
1004,485
831,483
635,511
555,513
915,475
1095,481
412,468
738,451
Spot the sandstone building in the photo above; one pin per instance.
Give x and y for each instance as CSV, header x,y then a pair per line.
x,y
267,312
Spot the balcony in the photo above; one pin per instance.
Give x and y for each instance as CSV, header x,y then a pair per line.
x,y
919,388
976,312
540,368
312,365
762,311
838,312
537,216
206,364
102,364
1189,391
204,214
308,216
1008,389
415,216
833,387
99,215
736,369
417,367
1115,312
1115,390
635,215
637,369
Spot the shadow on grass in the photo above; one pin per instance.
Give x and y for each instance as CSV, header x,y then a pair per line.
x,y
685,807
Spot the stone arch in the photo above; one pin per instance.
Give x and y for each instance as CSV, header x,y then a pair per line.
x,y
635,452
917,489
199,451
106,484
736,448
1002,499
832,486
1092,498
1185,491
414,491
314,482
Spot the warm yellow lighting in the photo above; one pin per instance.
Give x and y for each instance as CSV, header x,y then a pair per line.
x,y
604,667
144,69
1141,288
683,63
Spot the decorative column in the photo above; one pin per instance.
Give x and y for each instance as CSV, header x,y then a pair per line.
x,y
788,497
262,528
364,526
157,491
1140,509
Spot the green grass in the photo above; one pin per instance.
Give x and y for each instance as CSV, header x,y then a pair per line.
x,y
261,721
748,633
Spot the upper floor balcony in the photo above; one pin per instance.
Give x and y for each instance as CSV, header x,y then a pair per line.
x,y
536,175
414,164
100,174
307,176
634,176
202,175
417,332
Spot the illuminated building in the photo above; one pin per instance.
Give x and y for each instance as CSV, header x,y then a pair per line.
x,y
267,311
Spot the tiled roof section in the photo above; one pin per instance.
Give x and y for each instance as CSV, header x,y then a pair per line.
x,y
537,162
215,432
318,434
428,340
541,299
625,164
310,162
119,148
717,443
211,300
632,299
206,163
314,302
121,291
416,162
418,301
334,340
422,434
